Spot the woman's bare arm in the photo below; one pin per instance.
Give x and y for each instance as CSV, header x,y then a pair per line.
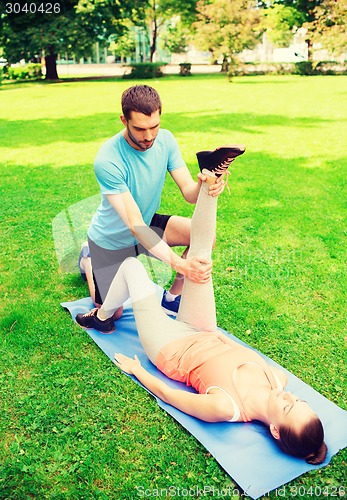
x,y
207,407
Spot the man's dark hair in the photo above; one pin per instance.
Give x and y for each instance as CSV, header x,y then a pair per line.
x,y
141,98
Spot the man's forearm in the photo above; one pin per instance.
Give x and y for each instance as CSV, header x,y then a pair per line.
x,y
191,192
197,269
158,247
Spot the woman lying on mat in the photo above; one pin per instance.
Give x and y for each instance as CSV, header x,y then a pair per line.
x,y
233,382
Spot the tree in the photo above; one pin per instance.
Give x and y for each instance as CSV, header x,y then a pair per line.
x,y
226,28
176,36
159,13
74,26
306,9
280,21
25,34
123,46
329,25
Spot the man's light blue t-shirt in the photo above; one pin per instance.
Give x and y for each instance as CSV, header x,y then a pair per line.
x,y
119,168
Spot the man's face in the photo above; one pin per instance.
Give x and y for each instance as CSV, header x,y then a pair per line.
x,y
141,130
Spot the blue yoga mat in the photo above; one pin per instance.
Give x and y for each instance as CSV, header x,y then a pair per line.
x,y
245,451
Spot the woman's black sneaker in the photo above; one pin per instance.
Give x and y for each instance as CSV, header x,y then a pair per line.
x,y
91,321
218,161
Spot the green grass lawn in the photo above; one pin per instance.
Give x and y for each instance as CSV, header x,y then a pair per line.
x,y
72,426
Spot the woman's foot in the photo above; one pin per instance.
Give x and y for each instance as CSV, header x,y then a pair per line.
x,y
217,162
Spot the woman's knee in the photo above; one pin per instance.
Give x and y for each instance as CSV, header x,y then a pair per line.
x,y
132,263
133,269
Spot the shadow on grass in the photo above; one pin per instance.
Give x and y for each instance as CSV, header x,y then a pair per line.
x,y
70,79
16,84
18,133
253,80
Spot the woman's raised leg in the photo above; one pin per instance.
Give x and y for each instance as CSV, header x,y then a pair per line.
x,y
197,306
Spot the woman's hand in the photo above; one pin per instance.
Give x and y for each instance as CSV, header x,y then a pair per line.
x,y
126,364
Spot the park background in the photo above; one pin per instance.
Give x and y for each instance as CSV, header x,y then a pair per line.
x,y
71,425
299,36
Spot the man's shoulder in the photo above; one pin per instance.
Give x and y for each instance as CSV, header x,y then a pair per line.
x,y
164,133
166,138
110,150
112,142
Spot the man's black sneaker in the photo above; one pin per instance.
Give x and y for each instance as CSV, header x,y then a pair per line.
x,y
90,320
218,161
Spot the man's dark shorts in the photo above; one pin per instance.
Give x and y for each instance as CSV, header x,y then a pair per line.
x,y
105,262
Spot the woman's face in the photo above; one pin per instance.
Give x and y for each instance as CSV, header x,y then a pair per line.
x,y
284,408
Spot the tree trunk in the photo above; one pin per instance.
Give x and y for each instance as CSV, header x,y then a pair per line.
x,y
51,66
153,39
225,64
309,49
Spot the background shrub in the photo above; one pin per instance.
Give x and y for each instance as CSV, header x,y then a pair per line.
x,y
145,70
255,69
308,68
331,68
305,68
185,69
28,72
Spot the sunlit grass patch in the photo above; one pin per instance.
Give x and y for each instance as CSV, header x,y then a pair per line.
x,y
71,425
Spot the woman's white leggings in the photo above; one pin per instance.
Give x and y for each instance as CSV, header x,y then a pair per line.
x,y
197,310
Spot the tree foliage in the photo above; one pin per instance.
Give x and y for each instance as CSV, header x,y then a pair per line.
x,y
175,36
329,25
124,45
226,28
159,15
306,8
73,27
280,21
25,34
